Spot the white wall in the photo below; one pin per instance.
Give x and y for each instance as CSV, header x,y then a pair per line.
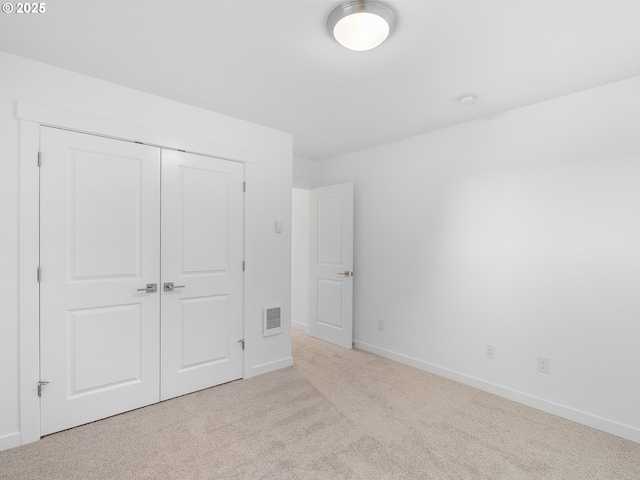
x,y
522,231
23,79
300,255
306,173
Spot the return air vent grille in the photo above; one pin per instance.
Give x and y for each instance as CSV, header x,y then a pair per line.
x,y
272,320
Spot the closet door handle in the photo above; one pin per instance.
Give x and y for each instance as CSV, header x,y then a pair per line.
x,y
150,288
169,286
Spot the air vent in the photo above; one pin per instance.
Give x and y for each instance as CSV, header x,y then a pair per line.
x,y
272,320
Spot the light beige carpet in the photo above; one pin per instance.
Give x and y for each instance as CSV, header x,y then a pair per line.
x,y
336,414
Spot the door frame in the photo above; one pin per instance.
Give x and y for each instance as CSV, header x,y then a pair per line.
x,y
31,117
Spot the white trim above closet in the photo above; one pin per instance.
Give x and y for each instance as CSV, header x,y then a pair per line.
x,y
83,123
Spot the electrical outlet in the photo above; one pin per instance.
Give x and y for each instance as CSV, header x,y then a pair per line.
x,y
543,365
490,351
381,325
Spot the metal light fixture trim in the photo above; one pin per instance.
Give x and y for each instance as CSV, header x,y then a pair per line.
x,y
359,14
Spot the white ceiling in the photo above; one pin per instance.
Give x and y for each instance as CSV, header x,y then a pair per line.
x,y
274,63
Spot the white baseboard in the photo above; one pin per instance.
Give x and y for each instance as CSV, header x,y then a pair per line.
x,y
609,426
10,440
270,367
299,325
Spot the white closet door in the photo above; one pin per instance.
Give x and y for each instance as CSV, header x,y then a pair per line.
x,y
100,225
202,249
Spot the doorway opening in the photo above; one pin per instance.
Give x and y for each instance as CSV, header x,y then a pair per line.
x,y
300,255
322,262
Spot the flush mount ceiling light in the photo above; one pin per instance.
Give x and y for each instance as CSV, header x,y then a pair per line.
x,y
361,24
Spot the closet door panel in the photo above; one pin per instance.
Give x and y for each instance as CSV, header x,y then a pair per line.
x,y
99,237
202,238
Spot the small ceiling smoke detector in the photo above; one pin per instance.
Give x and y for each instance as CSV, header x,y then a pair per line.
x,y
361,24
468,99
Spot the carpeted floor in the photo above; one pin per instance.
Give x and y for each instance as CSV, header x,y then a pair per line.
x,y
336,414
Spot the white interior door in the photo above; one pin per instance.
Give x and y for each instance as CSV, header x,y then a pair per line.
x,y
202,251
99,230
331,285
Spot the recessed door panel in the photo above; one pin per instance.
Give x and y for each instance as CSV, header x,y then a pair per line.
x,y
330,302
100,333
105,206
205,327
329,231
99,248
202,246
204,194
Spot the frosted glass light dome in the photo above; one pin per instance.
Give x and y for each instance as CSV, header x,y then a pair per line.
x,y
361,25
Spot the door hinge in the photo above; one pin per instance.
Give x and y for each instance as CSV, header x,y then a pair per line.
x,y
243,265
244,186
39,159
38,274
40,385
241,341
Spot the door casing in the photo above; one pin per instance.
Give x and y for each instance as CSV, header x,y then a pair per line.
x,y
31,117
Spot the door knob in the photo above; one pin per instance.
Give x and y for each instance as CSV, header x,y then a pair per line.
x,y
346,273
169,286
150,288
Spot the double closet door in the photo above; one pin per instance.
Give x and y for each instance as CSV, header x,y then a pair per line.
x,y
141,275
